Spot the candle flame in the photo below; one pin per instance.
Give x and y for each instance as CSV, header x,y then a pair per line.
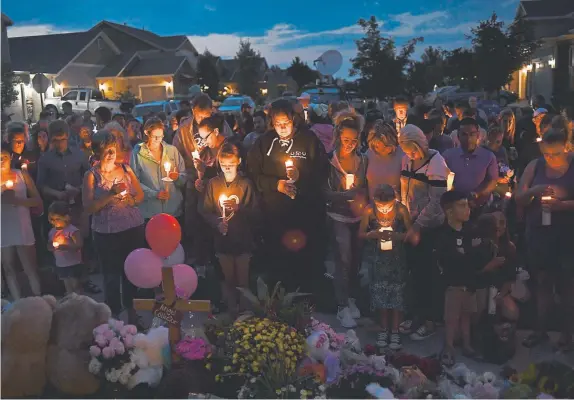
x,y
167,166
508,194
56,245
538,139
546,198
222,199
195,154
288,163
123,193
9,184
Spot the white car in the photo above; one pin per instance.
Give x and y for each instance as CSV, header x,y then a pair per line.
x,y
82,99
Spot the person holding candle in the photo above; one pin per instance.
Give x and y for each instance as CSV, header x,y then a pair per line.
x,y
17,241
547,187
230,208
149,161
117,224
384,226
293,204
423,180
346,186
66,242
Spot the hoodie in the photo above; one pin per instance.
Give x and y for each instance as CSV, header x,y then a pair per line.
x,y
241,223
266,166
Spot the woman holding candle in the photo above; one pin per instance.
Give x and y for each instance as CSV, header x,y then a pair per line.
x,y
230,208
156,164
384,225
345,192
19,194
423,181
111,194
546,189
293,203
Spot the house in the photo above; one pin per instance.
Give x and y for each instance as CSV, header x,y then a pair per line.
x,y
6,22
115,58
551,72
228,75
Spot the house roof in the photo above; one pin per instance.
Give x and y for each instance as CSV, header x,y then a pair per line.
x,y
6,20
161,65
547,8
47,53
228,69
116,66
161,42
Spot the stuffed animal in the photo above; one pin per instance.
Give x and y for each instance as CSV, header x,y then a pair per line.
x,y
150,354
25,334
318,349
75,318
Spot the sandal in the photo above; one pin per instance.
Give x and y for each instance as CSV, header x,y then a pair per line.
x,y
447,359
534,339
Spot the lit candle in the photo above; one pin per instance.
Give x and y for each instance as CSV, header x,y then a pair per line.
x,y
55,244
167,166
538,139
349,181
508,195
9,184
546,214
386,244
195,155
24,167
450,181
222,200
123,193
289,163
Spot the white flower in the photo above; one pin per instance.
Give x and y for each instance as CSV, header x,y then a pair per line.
x,y
124,378
322,388
113,375
95,366
252,380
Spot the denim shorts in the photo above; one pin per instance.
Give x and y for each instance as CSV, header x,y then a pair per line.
x,y
73,271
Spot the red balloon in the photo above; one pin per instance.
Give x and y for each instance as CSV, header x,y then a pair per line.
x,y
163,234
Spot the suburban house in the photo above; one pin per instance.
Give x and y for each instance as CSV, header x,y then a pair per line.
x,y
112,57
551,72
6,22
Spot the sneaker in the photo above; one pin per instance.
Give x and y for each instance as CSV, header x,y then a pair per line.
x,y
395,343
345,318
355,312
422,333
383,339
406,326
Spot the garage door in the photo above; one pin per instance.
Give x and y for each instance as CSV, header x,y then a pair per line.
x,y
153,93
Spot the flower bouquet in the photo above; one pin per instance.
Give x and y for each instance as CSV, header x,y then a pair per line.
x,y
336,340
111,354
354,380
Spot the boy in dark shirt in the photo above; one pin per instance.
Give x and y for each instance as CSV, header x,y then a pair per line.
x,y
456,254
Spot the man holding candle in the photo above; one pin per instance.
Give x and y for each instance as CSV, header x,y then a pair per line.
x,y
291,196
546,189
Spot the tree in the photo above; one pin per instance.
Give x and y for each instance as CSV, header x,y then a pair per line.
x,y
460,68
301,73
249,69
429,71
9,92
380,69
499,51
207,75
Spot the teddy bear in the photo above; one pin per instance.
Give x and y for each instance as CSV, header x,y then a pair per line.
x,y
25,333
151,353
75,318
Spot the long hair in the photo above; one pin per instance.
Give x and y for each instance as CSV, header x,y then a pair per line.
x,y
384,132
511,132
347,119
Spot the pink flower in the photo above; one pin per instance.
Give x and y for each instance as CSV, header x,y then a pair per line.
x,y
101,340
95,351
108,352
109,334
114,342
192,349
101,329
132,330
117,324
129,341
119,348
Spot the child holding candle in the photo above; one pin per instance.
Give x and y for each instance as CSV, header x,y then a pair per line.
x,y
385,225
345,193
230,208
66,242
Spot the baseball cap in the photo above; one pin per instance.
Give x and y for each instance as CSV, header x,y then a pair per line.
x,y
322,110
304,96
539,111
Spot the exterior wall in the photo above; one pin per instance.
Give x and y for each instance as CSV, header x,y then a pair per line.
x,y
188,51
99,52
542,82
115,86
79,76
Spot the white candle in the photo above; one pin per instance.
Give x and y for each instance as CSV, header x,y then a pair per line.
x,y
546,214
167,166
492,293
450,181
538,139
24,167
195,155
289,163
349,181
222,200
9,184
386,244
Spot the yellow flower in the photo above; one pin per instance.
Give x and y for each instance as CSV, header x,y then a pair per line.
x,y
208,367
242,370
278,391
255,369
227,368
217,378
293,334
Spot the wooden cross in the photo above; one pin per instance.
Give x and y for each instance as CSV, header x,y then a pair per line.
x,y
173,303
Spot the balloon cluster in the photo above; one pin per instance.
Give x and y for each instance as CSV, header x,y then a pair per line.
x,y
143,267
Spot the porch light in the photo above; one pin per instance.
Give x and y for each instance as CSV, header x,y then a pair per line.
x,y
529,67
102,87
552,63
169,84
264,92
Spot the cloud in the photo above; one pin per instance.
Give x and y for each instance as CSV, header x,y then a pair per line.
x,y
209,8
35,30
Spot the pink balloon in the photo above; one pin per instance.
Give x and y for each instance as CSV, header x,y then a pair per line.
x,y
143,268
185,280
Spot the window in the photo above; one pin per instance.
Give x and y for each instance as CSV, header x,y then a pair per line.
x,y
97,95
71,96
83,96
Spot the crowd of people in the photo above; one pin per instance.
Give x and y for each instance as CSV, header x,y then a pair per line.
x,y
442,203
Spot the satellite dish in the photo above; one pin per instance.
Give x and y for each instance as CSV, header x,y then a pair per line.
x,y
329,63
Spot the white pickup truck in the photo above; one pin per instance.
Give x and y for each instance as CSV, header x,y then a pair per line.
x,y
82,99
